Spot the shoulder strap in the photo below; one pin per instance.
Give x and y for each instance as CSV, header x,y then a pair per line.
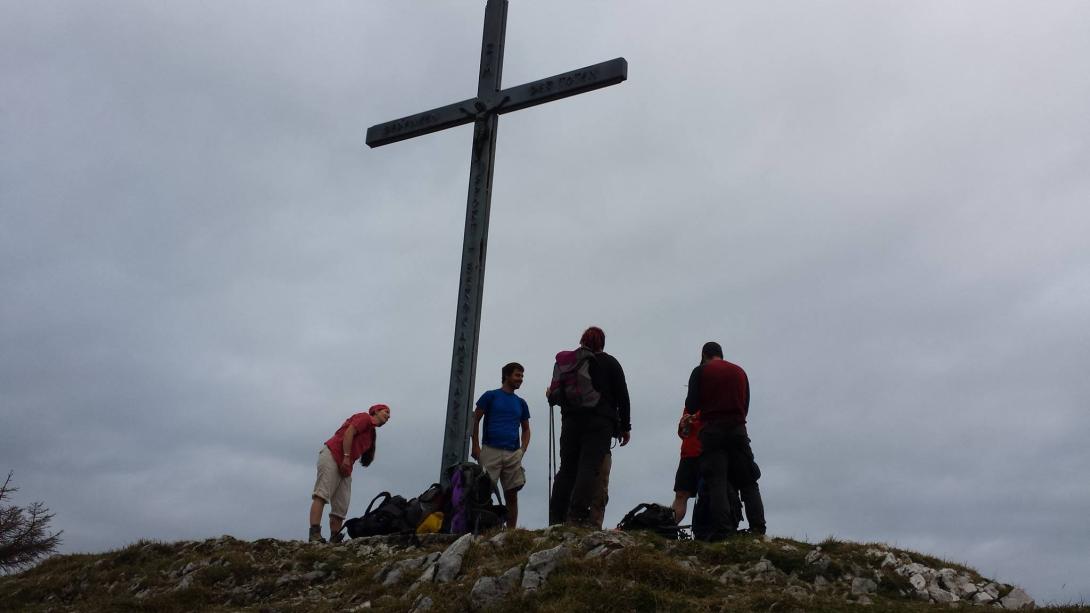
x,y
632,513
384,495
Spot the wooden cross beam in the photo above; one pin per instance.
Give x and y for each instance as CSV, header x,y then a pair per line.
x,y
483,111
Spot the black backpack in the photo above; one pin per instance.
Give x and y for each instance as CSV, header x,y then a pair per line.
x,y
431,500
653,517
394,515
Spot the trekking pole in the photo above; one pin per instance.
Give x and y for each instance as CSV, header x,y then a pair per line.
x,y
552,457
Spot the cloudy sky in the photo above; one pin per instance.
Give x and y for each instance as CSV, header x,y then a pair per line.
x,y
878,208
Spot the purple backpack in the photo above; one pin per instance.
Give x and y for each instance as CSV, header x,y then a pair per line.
x,y
471,507
571,387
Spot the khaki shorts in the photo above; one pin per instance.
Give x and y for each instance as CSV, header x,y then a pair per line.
x,y
504,467
331,486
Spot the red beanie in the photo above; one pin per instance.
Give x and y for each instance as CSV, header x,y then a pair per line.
x,y
376,408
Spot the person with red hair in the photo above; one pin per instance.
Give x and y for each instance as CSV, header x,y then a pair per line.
x,y
586,432
354,440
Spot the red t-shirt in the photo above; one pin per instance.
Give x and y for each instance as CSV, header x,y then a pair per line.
x,y
690,445
363,440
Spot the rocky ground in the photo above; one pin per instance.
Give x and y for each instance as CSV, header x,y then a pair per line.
x,y
559,569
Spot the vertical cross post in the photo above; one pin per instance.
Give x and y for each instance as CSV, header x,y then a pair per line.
x,y
467,321
484,111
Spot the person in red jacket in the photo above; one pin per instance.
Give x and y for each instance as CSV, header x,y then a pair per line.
x,y
687,478
719,390
354,440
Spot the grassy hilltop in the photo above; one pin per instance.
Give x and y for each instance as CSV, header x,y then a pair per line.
x,y
559,569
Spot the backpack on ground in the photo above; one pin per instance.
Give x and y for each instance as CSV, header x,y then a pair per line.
x,y
433,499
652,517
471,508
702,520
394,515
571,386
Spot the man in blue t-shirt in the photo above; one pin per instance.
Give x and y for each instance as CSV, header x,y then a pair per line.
x,y
501,454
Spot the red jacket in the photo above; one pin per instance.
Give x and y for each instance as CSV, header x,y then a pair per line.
x,y
690,445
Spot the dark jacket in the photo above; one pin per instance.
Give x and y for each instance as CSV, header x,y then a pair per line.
x,y
608,378
720,391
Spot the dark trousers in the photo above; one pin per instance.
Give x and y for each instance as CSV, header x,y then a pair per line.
x,y
584,443
728,459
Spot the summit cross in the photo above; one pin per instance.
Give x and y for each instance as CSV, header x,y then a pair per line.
x,y
483,111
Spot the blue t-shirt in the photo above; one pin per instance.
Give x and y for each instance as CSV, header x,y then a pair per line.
x,y
503,414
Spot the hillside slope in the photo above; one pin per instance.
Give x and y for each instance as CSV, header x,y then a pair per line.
x,y
559,569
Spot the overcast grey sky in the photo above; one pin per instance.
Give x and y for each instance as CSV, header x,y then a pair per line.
x,y
878,208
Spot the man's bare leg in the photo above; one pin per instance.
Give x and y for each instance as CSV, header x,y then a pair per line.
x,y
681,505
335,524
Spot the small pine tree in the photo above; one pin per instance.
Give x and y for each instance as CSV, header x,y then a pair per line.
x,y
24,533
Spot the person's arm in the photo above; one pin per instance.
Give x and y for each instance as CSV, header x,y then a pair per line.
x,y
525,434
624,405
476,451
745,405
685,425
692,398
346,449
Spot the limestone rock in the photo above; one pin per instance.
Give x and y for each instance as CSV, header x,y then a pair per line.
x,y
863,585
541,564
598,552
1017,599
914,568
940,595
764,572
983,597
918,582
393,573
423,603
450,562
611,539
488,590
948,579
185,582
499,539
818,559
965,588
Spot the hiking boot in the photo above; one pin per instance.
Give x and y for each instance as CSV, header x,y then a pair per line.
x,y
315,535
337,538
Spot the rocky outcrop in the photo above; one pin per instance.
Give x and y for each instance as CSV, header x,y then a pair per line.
x,y
444,573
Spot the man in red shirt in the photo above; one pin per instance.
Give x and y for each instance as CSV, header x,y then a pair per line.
x,y
719,390
354,440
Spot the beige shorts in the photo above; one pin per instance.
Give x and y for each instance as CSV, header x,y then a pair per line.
x,y
331,486
504,467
